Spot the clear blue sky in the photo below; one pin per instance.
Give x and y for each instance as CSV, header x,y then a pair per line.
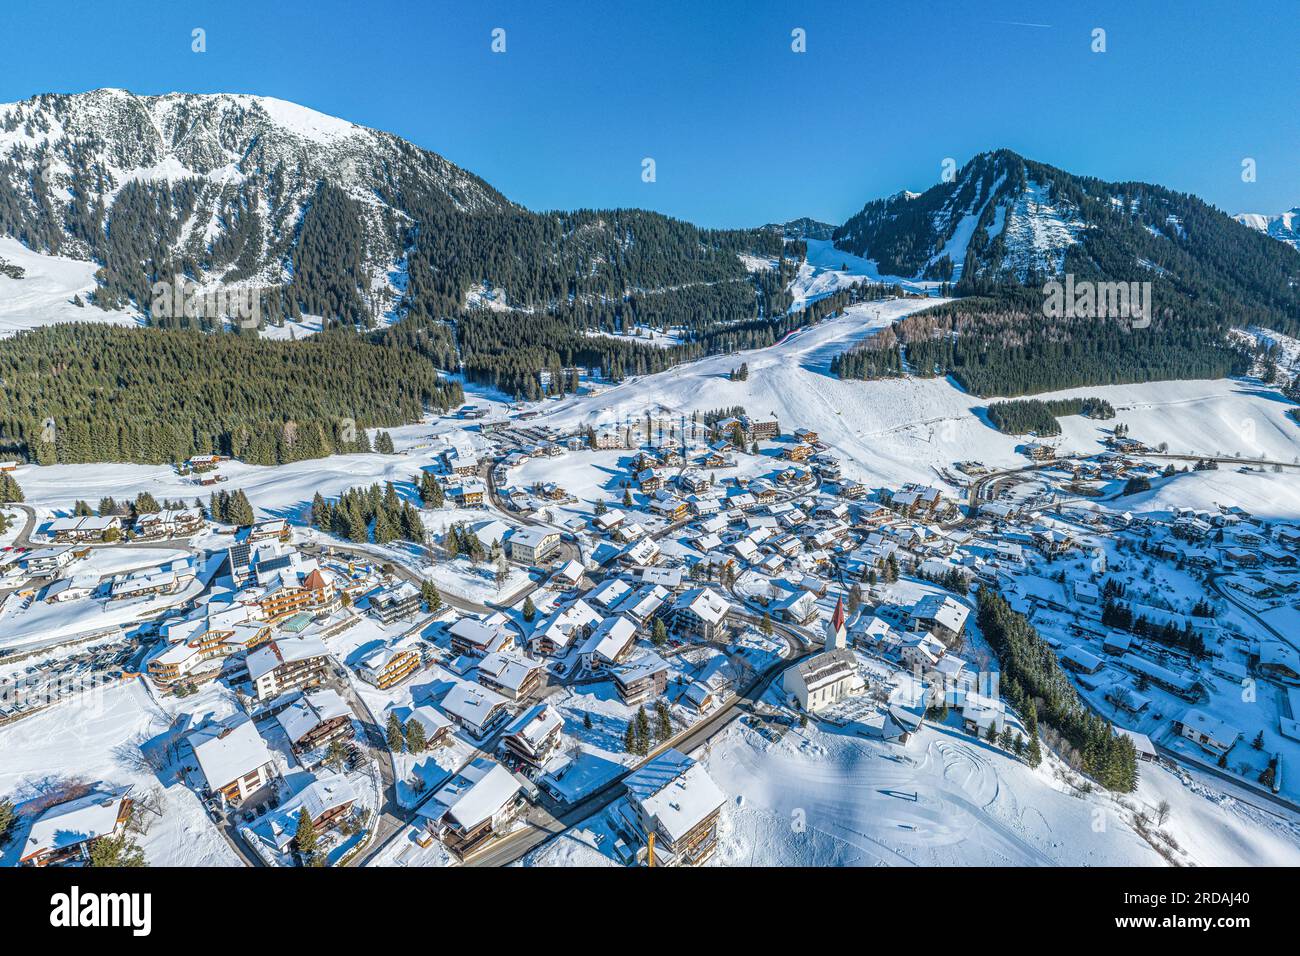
x,y
743,130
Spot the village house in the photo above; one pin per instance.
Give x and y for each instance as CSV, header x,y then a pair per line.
x,y
82,528
509,674
641,679
327,800
475,708
941,616
535,735
701,612
533,545
65,832
1215,735
466,811
556,634
233,759
386,667
392,604
478,636
434,723
673,806
169,524
315,720
611,642
288,663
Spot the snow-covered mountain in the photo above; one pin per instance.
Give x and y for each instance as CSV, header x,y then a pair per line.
x,y
221,183
1006,218
1284,227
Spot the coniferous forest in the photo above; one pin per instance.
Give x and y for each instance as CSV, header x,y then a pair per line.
x,y
1033,681
152,395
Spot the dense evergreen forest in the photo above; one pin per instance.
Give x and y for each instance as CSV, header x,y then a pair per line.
x,y
1032,679
1024,415
80,393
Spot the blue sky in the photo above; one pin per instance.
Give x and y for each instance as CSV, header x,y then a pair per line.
x,y
742,130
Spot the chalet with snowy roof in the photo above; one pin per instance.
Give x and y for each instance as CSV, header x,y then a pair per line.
x,y
535,735
393,604
285,664
941,616
476,708
564,628
65,832
434,723
1207,731
233,759
316,719
511,675
533,545
673,799
702,612
169,524
482,636
610,643
476,803
327,800
644,552
386,666
640,679
82,528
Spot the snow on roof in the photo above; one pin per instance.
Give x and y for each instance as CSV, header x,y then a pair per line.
x,y
431,719
475,795
326,792
609,639
76,821
941,609
472,703
284,650
1220,731
826,668
676,791
535,724
707,604
229,749
507,669
311,710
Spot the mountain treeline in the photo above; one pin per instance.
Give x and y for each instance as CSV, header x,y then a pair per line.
x,y
84,392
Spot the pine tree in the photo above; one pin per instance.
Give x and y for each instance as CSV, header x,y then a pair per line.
x,y
7,818
642,731
415,740
117,852
530,609
629,739
305,838
394,733
665,728
659,633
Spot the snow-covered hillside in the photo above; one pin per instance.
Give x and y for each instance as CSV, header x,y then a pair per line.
x,y
1285,227
247,168
47,290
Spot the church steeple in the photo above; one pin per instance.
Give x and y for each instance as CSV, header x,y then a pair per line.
x,y
836,636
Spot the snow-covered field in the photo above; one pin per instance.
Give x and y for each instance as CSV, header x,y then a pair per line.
x,y
44,295
96,739
820,797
